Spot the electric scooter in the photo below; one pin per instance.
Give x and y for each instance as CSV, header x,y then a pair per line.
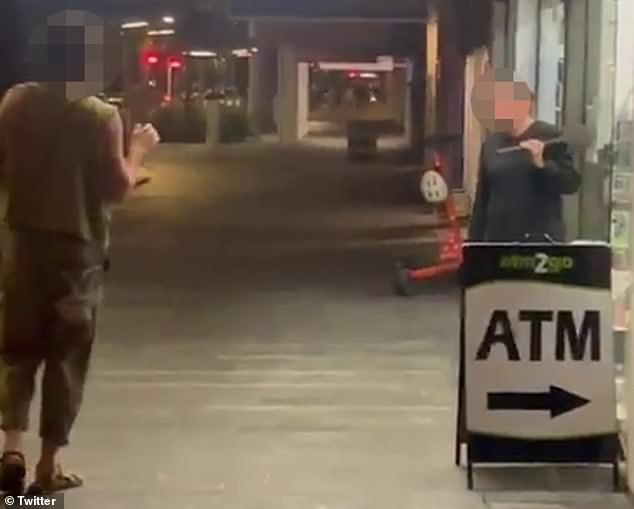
x,y
448,258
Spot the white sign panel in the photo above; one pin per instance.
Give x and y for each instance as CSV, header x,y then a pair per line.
x,y
539,360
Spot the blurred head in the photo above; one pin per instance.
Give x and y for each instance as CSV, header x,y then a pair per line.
x,y
75,54
501,101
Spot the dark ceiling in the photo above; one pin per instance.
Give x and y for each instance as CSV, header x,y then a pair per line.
x,y
201,22
116,8
328,9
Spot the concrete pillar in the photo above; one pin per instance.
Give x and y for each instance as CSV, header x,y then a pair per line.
x,y
253,93
288,97
474,134
431,81
418,94
451,95
212,110
408,105
303,99
594,211
574,97
262,85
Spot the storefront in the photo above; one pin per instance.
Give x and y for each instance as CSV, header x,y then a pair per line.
x,y
623,209
578,57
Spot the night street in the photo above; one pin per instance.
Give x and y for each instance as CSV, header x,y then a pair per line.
x,y
252,354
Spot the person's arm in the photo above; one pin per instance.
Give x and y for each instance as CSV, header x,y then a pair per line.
x,y
559,173
477,228
555,166
122,170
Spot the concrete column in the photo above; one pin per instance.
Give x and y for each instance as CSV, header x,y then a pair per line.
x,y
418,93
574,97
303,99
431,81
262,85
287,99
212,110
451,104
474,134
408,105
253,93
599,115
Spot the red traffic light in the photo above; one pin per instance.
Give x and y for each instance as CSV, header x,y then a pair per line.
x,y
152,60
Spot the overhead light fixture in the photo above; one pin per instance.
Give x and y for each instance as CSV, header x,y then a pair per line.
x,y
135,24
359,67
200,54
169,20
241,53
153,33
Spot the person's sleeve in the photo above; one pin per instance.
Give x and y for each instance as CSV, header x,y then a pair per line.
x,y
477,228
559,173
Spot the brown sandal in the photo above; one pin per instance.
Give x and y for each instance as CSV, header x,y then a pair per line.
x,y
59,481
12,472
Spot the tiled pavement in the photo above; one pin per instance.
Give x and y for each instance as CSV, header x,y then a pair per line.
x,y
235,370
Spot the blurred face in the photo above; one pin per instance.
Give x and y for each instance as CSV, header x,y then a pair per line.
x,y
500,101
75,54
510,106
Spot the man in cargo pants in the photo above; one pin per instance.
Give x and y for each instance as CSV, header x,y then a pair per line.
x,y
62,152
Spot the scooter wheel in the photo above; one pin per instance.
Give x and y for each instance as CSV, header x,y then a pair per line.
x,y
402,282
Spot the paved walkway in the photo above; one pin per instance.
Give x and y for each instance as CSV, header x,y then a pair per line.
x,y
252,354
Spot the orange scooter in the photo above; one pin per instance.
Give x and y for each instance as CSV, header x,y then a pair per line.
x,y
448,258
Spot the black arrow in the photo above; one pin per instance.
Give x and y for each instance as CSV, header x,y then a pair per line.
x,y
557,401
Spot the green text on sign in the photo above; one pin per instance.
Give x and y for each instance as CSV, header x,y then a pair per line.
x,y
539,263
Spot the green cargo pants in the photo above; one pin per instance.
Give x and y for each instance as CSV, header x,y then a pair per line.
x,y
52,288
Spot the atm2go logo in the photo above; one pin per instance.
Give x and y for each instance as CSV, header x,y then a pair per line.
x,y
539,263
